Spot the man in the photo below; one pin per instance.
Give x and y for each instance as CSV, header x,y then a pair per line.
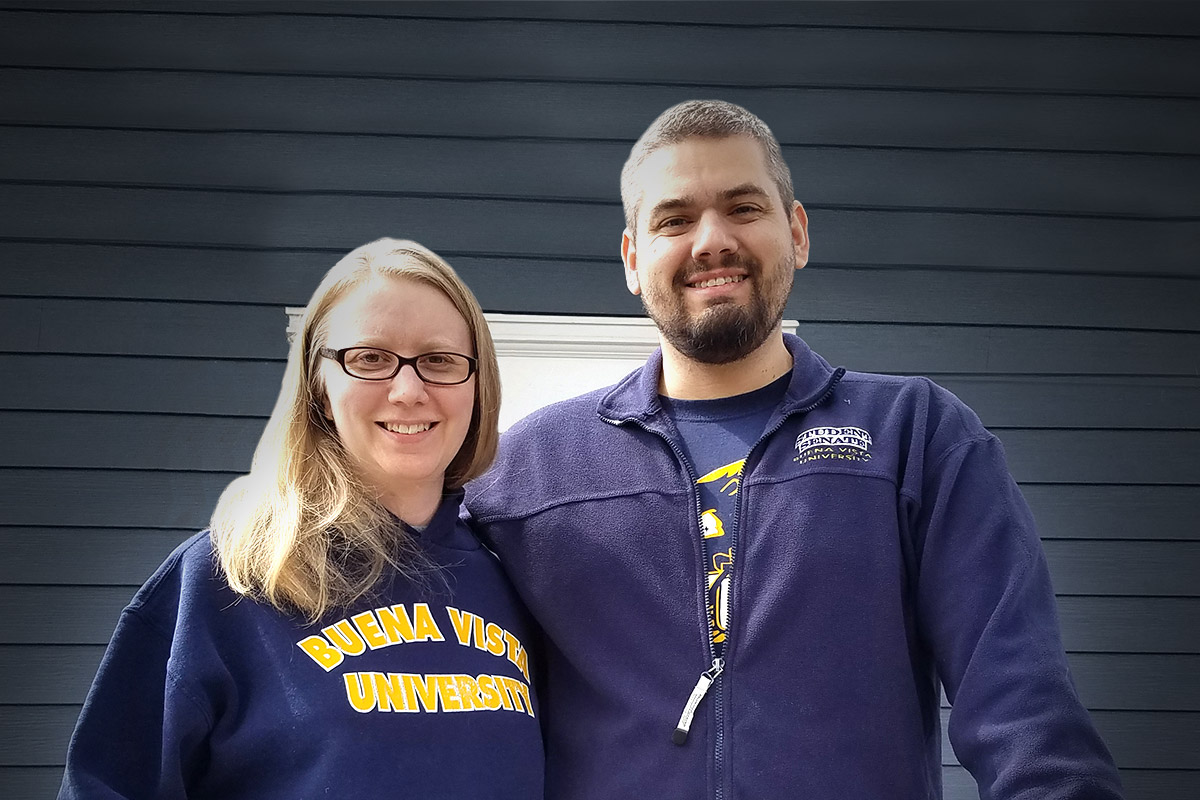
x,y
753,569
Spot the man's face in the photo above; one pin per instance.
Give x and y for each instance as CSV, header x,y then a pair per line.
x,y
714,251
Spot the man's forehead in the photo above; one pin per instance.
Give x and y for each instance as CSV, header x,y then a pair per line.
x,y
696,167
702,154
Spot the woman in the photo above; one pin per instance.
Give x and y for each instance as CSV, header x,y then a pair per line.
x,y
338,633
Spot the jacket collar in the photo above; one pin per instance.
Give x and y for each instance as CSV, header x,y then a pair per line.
x,y
635,398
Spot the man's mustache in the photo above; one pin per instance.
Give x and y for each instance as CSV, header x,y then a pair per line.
x,y
728,261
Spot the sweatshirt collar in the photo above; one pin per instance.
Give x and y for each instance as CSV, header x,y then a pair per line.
x,y
635,398
443,529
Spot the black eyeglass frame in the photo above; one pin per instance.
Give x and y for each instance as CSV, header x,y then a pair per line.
x,y
401,361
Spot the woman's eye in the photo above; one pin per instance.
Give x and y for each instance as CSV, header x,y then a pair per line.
x,y
370,359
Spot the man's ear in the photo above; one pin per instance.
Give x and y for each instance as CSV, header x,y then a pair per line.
x,y
629,259
798,222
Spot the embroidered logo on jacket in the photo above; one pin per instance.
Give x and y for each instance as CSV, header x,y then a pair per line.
x,y
833,444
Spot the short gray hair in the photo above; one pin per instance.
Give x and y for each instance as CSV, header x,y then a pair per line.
x,y
709,119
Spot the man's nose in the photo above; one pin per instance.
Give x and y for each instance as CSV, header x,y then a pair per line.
x,y
714,237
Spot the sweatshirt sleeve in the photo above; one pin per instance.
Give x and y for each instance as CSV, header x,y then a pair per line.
x,y
141,732
987,610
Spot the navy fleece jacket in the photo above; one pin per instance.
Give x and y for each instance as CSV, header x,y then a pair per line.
x,y
881,548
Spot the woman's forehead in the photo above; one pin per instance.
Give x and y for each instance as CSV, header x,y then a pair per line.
x,y
387,308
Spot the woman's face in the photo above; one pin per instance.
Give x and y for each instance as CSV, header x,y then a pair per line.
x,y
402,432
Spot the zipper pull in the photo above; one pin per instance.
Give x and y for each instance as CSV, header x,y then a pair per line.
x,y
698,691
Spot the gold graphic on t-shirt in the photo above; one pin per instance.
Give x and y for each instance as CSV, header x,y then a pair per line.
x,y
718,595
711,526
731,471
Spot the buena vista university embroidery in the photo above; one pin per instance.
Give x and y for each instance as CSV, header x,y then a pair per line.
x,y
413,693
833,444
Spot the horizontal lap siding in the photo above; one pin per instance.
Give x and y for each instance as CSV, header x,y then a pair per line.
x,y
605,51
49,325
1026,18
57,439
58,674
127,556
1001,197
140,498
1138,782
831,293
199,385
87,614
258,220
494,109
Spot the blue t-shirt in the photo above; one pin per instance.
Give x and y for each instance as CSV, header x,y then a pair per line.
x,y
717,436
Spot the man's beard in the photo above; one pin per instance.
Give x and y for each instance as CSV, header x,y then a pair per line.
x,y
725,331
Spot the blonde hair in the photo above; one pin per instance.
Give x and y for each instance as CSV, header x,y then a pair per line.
x,y
302,531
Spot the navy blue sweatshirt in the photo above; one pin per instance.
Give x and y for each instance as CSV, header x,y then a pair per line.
x,y
415,691
881,548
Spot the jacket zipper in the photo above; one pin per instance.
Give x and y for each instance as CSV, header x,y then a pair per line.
x,y
698,691
710,675
706,679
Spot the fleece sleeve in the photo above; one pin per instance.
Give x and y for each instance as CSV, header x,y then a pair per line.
x,y
987,611
141,731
